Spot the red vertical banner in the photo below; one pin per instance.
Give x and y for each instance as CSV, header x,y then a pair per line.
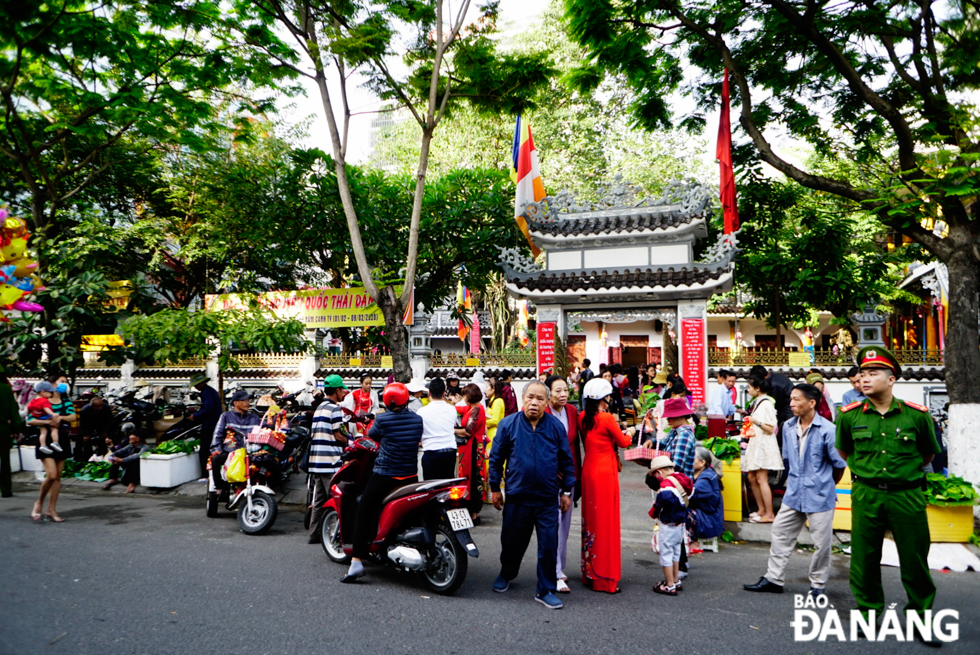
x,y
475,339
693,358
546,347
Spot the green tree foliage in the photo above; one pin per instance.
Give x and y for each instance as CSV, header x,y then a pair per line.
x,y
884,89
802,252
78,78
583,139
443,63
173,335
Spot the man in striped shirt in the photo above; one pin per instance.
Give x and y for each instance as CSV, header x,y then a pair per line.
x,y
326,448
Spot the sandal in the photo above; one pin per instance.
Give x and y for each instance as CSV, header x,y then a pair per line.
x,y
756,519
563,588
109,485
55,518
662,588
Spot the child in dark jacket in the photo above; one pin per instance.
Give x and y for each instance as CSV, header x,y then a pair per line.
x,y
670,509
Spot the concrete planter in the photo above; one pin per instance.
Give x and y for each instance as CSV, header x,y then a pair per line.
x,y
950,523
842,512
731,495
166,471
28,462
15,459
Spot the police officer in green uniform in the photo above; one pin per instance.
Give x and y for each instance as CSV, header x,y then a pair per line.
x,y
886,442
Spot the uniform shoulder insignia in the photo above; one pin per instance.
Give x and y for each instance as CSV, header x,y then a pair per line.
x,y
915,406
847,408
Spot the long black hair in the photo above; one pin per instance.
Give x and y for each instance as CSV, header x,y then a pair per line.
x,y
591,411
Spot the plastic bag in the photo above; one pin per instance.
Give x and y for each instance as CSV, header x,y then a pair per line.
x,y
234,469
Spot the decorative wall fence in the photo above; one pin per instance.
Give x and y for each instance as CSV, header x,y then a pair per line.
x,y
348,360
822,357
497,360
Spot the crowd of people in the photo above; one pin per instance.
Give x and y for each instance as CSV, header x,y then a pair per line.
x,y
534,461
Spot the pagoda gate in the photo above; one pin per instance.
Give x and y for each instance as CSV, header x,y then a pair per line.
x,y
619,283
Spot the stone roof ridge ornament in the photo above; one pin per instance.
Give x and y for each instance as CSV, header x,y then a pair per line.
x,y
723,251
690,196
517,264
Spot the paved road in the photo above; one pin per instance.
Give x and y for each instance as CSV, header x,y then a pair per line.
x,y
151,574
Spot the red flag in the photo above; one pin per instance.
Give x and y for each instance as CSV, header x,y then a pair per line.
x,y
724,156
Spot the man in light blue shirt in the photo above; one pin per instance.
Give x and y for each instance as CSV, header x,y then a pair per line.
x,y
720,403
853,395
814,467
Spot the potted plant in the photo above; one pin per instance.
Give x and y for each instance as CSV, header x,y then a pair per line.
x,y
950,507
170,464
727,450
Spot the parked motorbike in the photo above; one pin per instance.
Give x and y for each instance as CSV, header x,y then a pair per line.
x,y
254,499
423,527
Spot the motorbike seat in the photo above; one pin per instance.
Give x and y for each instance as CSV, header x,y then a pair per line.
x,y
401,492
416,487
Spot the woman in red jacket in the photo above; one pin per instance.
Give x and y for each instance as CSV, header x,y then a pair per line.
x,y
568,415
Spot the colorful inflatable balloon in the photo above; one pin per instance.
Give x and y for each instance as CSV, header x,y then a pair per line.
x,y
17,273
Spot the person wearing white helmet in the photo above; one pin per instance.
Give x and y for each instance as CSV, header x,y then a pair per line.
x,y
416,388
601,551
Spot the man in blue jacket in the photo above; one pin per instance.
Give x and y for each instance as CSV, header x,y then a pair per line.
x,y
533,445
814,468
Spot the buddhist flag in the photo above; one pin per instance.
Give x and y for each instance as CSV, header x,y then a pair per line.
x,y
527,175
724,155
463,304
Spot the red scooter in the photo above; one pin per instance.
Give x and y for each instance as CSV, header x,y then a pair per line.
x,y
423,527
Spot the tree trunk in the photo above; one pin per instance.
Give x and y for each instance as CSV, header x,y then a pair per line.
x,y
962,363
391,308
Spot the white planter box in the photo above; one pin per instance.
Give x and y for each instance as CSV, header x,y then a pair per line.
x,y
166,471
15,459
28,462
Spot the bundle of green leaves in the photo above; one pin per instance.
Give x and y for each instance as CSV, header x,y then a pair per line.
x,y
174,447
723,448
953,490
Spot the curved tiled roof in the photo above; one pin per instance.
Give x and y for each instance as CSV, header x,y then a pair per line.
x,y
595,280
639,219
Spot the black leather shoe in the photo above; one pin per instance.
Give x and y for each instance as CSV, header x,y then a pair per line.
x,y
765,586
814,592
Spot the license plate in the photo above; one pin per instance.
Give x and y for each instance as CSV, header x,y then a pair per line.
x,y
459,519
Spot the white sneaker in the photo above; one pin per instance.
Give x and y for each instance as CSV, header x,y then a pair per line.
x,y
57,447
682,574
45,450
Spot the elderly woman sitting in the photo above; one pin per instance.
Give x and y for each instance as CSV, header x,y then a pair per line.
x,y
706,510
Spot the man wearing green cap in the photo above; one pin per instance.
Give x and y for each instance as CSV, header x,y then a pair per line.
x,y
326,448
207,417
886,442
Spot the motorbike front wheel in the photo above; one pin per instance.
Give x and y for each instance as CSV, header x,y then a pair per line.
x,y
445,574
260,518
331,538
